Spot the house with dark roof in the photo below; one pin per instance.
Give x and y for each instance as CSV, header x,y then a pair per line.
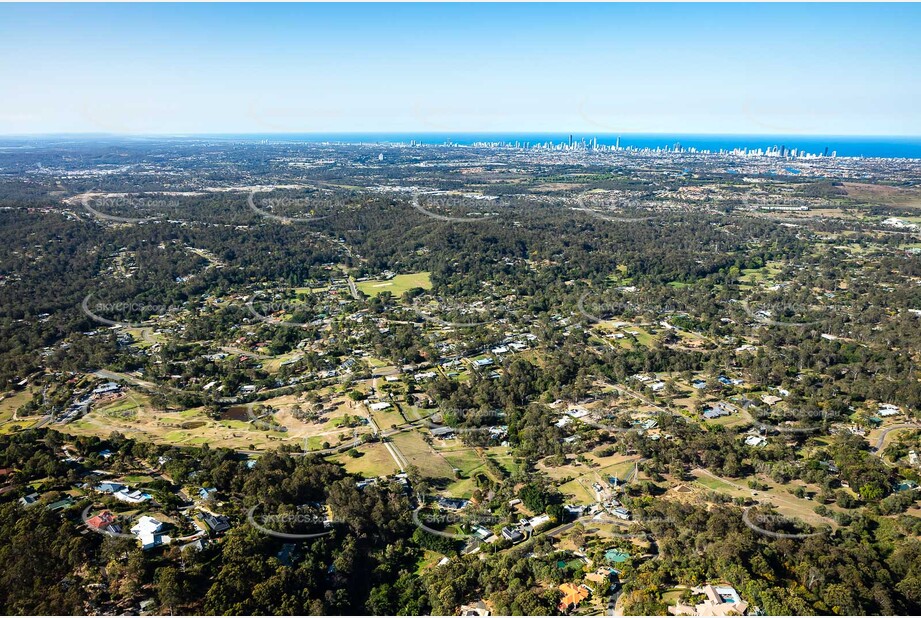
x,y
452,504
442,432
29,500
217,523
109,487
512,534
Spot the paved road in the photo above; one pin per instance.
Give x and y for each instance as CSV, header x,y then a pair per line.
x,y
353,290
151,386
41,423
882,437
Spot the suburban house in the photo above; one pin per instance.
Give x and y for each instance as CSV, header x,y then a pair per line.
x,y
601,574
217,523
716,411
109,487
60,505
719,601
442,432
574,510
755,441
538,521
887,409
104,522
287,554
132,496
196,545
29,500
512,534
101,521
108,387
573,595
452,504
147,530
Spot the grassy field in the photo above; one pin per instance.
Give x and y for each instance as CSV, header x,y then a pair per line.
x,y
777,494
576,491
397,285
136,479
375,461
385,419
135,417
714,484
421,455
731,420
471,462
465,459
642,337
760,275
579,487
273,364
881,194
8,407
502,455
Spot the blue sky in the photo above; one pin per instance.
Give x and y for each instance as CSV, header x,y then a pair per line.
x,y
833,69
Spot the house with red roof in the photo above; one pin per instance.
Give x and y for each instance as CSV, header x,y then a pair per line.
x,y
101,521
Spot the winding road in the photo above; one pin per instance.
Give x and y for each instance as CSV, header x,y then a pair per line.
x,y
882,437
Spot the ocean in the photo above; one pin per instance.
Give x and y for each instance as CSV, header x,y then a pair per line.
x,y
844,146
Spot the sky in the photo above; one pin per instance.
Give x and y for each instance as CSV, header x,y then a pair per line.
x,y
822,69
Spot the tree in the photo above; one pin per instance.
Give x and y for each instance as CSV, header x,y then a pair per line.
x,y
170,587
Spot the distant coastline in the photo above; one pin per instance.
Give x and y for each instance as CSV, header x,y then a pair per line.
x,y
844,146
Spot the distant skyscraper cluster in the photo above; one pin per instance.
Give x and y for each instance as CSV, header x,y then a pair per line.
x,y
588,145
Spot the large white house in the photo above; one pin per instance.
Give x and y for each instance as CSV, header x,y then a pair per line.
x,y
147,530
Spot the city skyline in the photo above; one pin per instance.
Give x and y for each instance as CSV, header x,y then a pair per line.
x,y
825,69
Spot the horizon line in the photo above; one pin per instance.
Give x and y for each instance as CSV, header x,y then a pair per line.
x,y
179,134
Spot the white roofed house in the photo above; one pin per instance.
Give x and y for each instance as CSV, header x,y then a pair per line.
x,y
718,601
887,409
538,521
108,387
755,441
147,530
132,496
577,412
